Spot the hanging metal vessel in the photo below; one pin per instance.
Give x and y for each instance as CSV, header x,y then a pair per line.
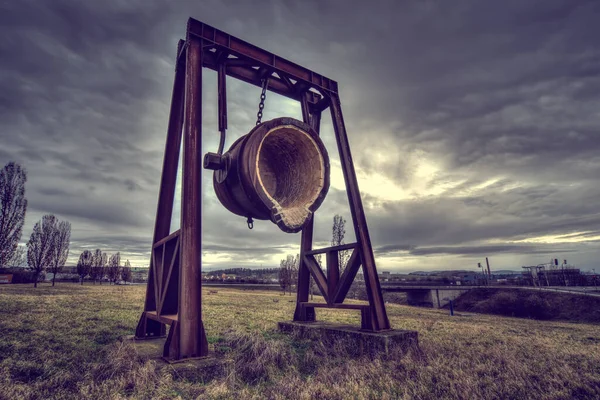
x,y
279,172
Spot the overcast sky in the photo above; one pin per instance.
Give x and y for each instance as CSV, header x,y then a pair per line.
x,y
474,125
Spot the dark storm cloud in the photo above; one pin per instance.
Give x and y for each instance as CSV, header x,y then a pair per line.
x,y
512,214
482,84
250,250
502,97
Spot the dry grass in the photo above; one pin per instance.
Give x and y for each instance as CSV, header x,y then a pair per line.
x,y
62,342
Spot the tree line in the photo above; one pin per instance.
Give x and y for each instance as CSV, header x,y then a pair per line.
x,y
48,245
98,265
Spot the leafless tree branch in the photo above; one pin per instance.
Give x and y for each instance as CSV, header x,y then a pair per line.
x,y
13,206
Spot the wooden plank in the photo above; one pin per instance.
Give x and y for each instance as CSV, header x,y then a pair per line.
x,y
165,319
306,239
338,306
366,319
164,240
333,248
166,196
260,57
169,273
171,348
242,69
155,280
359,221
347,277
318,275
333,273
171,159
192,338
162,278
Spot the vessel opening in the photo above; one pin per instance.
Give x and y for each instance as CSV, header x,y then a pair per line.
x,y
291,170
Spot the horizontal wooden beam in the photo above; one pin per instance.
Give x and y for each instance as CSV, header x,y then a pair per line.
x,y
165,319
244,71
333,248
261,58
339,306
166,239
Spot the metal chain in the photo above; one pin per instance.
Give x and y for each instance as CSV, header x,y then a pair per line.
x,y
259,114
261,105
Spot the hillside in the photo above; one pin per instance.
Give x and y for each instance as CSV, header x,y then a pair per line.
x,y
540,305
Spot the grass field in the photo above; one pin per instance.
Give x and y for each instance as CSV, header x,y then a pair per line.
x,y
63,342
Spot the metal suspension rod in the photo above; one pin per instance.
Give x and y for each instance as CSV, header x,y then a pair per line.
x,y
222,106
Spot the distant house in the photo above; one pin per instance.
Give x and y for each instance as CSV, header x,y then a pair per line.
x,y
469,279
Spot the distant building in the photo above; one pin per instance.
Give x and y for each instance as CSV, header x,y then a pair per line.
x,y
547,275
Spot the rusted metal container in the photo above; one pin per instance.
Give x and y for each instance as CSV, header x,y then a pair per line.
x,y
279,172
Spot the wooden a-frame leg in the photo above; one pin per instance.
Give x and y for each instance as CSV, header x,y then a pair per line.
x,y
191,336
379,314
300,314
166,194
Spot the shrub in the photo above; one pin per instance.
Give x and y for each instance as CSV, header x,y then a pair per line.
x,y
534,306
395,298
504,303
20,275
357,291
542,306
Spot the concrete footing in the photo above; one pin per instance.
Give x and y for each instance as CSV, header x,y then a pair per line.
x,y
201,369
352,339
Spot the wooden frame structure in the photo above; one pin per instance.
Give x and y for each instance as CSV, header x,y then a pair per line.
x,y
173,295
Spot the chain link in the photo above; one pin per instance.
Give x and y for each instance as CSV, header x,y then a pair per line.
x,y
259,115
261,105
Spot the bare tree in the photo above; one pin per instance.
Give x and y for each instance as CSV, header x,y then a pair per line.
x,y
284,273
13,206
61,239
19,258
103,265
288,273
338,232
97,271
39,247
84,265
126,272
295,266
114,267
